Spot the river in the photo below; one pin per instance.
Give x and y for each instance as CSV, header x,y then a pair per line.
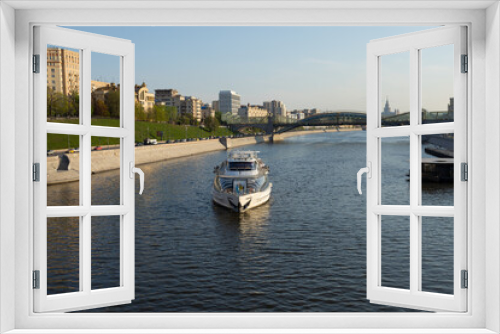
x,y
303,251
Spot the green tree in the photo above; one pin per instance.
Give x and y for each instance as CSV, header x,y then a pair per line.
x,y
140,115
211,123
172,115
73,104
101,109
186,119
159,113
113,103
56,103
218,116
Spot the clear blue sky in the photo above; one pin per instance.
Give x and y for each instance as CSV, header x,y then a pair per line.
x,y
305,67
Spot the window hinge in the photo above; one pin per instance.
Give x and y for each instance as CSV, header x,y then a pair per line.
x,y
465,171
36,63
465,64
36,279
36,172
465,279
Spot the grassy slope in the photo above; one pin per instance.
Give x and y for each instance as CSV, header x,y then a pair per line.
x,y
142,130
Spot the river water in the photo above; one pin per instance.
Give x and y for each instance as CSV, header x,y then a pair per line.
x,y
303,251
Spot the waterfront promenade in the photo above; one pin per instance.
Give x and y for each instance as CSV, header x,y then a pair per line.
x,y
109,159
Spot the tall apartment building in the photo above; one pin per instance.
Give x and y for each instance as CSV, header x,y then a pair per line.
x,y
166,97
184,104
229,101
63,70
191,105
249,111
144,97
277,108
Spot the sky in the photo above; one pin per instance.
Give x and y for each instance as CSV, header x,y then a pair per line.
x,y
305,67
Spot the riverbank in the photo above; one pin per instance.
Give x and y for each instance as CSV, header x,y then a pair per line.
x,y
65,166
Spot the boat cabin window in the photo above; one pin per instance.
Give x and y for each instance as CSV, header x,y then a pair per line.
x,y
242,165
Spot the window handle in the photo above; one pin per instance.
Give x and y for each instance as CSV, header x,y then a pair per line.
x,y
368,171
135,170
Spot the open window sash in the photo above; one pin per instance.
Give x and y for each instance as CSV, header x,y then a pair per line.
x,y
414,297
84,297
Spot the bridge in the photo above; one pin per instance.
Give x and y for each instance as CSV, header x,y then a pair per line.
x,y
280,124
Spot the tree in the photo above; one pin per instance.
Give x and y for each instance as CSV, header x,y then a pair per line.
x,y
73,104
186,119
172,115
140,115
211,123
113,102
101,109
159,113
218,116
56,105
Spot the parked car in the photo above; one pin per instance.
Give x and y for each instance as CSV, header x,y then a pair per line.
x,y
153,142
98,148
74,150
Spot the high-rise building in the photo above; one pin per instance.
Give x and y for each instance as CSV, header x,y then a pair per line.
x,y
184,104
229,101
276,108
63,70
167,97
191,105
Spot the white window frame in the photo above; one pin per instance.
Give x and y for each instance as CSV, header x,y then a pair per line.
x,y
484,212
85,297
413,44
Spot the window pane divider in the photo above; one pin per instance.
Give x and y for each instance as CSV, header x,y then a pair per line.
x,y
67,129
104,131
109,210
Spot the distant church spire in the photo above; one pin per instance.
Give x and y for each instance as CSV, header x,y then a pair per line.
x,y
387,108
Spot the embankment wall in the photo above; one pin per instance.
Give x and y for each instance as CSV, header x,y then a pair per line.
x,y
107,160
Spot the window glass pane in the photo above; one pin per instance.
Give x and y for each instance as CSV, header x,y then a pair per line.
x,y
395,166
395,264
394,99
437,254
63,170
437,84
63,85
105,90
437,169
105,252
63,255
105,159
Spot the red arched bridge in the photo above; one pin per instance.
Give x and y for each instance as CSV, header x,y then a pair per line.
x,y
279,124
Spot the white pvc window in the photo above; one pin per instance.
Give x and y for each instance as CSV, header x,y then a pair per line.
x,y
408,62
78,216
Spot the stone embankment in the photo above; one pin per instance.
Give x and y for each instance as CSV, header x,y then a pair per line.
x,y
65,166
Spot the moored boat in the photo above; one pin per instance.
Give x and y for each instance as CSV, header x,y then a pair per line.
x,y
241,182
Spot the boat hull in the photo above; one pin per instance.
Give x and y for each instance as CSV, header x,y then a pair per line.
x,y
242,203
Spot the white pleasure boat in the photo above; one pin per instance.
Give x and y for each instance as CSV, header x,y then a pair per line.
x,y
241,182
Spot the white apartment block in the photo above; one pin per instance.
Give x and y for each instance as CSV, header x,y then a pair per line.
x,y
277,108
229,101
191,105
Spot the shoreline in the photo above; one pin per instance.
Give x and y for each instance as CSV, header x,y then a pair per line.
x,y
107,160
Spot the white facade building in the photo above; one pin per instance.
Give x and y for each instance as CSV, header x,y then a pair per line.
x,y
277,108
229,101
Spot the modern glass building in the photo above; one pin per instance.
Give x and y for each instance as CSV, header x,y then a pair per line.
x,y
229,101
